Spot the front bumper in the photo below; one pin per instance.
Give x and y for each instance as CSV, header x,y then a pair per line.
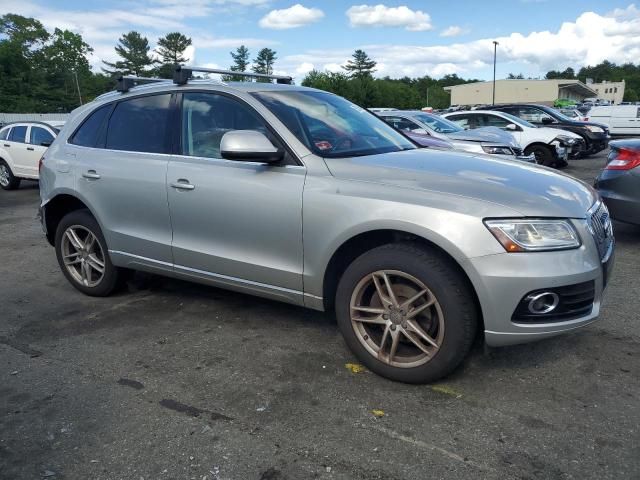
x,y
502,280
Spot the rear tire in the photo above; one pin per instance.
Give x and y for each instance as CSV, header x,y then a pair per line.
x,y
8,181
434,331
544,155
83,255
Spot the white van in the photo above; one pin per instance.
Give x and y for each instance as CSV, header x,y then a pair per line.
x,y
621,119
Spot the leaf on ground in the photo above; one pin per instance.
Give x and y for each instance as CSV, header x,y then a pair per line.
x,y
378,413
355,367
452,392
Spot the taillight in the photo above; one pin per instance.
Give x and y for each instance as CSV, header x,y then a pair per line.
x,y
624,160
40,163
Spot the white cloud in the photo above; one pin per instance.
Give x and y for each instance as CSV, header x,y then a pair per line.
x,y
292,17
588,40
454,31
383,16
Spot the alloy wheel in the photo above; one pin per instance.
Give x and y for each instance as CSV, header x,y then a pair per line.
x,y
83,256
4,175
397,318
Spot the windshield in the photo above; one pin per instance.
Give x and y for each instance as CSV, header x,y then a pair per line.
x,y
331,126
518,120
438,124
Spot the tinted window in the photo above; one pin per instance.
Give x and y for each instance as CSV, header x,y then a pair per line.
x,y
4,133
140,125
87,134
18,134
462,120
493,121
402,123
531,114
39,135
207,117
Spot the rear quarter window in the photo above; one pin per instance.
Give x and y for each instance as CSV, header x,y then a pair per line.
x,y
4,133
87,134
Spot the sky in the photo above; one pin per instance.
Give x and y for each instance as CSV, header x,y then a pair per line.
x,y
413,38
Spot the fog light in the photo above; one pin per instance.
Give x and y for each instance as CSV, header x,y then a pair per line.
x,y
542,303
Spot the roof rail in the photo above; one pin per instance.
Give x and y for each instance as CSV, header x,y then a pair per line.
x,y
126,82
182,74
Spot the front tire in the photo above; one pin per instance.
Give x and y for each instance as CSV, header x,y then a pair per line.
x,y
83,255
406,312
544,155
8,181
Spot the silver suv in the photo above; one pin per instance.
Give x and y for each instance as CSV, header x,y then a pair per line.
x,y
298,195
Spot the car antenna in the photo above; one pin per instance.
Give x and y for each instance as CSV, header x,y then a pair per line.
x,y
182,74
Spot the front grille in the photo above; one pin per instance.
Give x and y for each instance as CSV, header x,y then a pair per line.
x,y
575,301
599,223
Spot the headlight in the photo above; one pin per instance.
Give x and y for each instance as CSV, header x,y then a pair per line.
x,y
565,140
594,129
529,235
497,150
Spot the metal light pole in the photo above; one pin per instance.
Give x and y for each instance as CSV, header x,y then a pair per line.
x,y
75,74
495,48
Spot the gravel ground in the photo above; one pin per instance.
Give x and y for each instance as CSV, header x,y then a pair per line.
x,y
171,380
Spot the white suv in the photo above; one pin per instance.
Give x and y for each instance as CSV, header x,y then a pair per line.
x,y
22,144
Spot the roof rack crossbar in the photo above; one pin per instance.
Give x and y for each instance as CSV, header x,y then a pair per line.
x,y
126,82
182,74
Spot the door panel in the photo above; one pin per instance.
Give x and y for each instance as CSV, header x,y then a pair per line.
x,y
18,149
37,135
126,189
237,219
240,220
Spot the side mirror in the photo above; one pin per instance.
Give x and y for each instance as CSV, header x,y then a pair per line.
x,y
249,146
45,144
512,127
547,120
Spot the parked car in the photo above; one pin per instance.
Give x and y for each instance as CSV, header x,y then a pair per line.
x,y
421,124
298,195
564,103
620,119
550,146
22,144
619,181
595,135
573,114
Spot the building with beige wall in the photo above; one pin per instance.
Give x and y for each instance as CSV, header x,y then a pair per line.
x,y
520,91
612,91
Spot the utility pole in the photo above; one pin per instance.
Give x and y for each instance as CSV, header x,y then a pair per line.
x,y
495,48
75,74
428,97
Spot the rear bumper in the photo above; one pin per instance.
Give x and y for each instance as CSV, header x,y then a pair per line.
x,y
619,190
502,280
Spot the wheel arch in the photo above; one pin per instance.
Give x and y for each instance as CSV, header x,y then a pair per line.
x,y
362,242
56,208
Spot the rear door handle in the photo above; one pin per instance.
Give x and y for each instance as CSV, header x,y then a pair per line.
x,y
7,145
91,174
183,184
30,148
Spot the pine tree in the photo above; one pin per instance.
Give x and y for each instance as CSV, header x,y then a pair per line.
x,y
240,64
133,48
263,63
361,65
171,49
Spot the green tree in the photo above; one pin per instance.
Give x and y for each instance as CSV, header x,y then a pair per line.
x,y
171,49
263,63
240,64
28,34
361,65
512,76
133,48
630,95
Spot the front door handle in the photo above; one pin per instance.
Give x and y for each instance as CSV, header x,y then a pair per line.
x,y
91,174
183,184
30,148
7,145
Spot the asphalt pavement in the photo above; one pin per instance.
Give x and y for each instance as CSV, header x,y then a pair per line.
x,y
171,380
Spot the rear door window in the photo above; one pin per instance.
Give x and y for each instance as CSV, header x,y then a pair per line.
x,y
18,134
140,125
87,134
39,136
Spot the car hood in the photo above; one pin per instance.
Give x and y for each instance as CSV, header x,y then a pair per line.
x,y
428,141
528,189
484,134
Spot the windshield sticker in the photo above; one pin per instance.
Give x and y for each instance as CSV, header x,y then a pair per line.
x,y
324,145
